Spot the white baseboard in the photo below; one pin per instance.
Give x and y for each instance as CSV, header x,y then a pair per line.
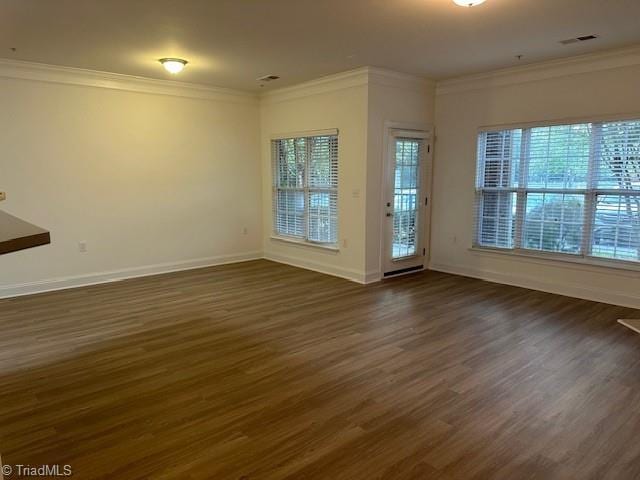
x,y
576,291
62,283
353,275
372,277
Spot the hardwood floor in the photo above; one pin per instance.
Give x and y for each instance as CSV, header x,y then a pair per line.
x,y
264,371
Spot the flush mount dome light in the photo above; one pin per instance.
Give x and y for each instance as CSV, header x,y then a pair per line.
x,y
173,65
468,3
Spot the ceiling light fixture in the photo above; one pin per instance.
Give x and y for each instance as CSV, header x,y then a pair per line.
x,y
173,65
468,3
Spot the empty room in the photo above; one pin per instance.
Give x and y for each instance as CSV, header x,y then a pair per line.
x,y
331,239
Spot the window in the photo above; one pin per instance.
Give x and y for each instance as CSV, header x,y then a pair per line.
x,y
565,189
305,188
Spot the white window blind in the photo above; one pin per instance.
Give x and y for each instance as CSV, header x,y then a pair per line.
x,y
305,188
565,189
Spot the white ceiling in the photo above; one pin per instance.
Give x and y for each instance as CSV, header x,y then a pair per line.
x,y
230,43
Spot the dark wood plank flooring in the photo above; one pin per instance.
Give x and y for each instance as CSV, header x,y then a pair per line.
x,y
264,371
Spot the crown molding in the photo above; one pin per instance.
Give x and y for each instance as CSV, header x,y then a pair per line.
x,y
90,78
405,81
329,83
349,79
16,69
592,62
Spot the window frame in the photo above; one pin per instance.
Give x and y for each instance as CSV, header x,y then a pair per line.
x,y
306,189
591,194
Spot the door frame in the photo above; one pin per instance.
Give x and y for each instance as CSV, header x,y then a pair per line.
x,y
425,132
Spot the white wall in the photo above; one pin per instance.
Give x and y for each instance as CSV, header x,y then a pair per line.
x,y
169,179
338,102
357,103
399,100
150,181
604,88
159,181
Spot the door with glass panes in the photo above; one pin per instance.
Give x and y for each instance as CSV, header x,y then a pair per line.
x,y
406,200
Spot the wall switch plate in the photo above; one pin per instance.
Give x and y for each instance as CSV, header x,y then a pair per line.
x,y
3,196
82,246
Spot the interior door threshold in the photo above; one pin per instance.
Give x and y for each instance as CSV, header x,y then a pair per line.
x,y
403,271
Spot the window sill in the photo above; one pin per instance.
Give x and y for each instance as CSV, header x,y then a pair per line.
x,y
303,243
545,258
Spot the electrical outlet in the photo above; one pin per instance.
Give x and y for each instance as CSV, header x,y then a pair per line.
x,y
82,246
3,196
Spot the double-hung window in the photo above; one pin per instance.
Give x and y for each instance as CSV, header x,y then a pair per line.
x,y
563,189
305,188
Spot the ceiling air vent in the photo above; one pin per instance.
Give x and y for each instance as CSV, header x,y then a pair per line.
x,y
268,78
584,38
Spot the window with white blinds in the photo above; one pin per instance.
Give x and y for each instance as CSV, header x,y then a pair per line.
x,y
564,189
305,188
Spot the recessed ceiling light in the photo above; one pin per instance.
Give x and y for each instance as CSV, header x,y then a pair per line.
x,y
173,65
468,3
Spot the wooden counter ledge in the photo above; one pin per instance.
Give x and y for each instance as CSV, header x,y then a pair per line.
x,y
16,234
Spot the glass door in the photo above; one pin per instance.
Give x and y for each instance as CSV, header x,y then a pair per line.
x,y
405,206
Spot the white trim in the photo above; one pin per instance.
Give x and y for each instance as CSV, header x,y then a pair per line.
x,y
308,133
410,134
372,276
331,247
547,285
414,127
405,81
91,78
330,83
16,69
590,193
593,62
620,117
426,133
349,79
63,283
346,273
577,262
